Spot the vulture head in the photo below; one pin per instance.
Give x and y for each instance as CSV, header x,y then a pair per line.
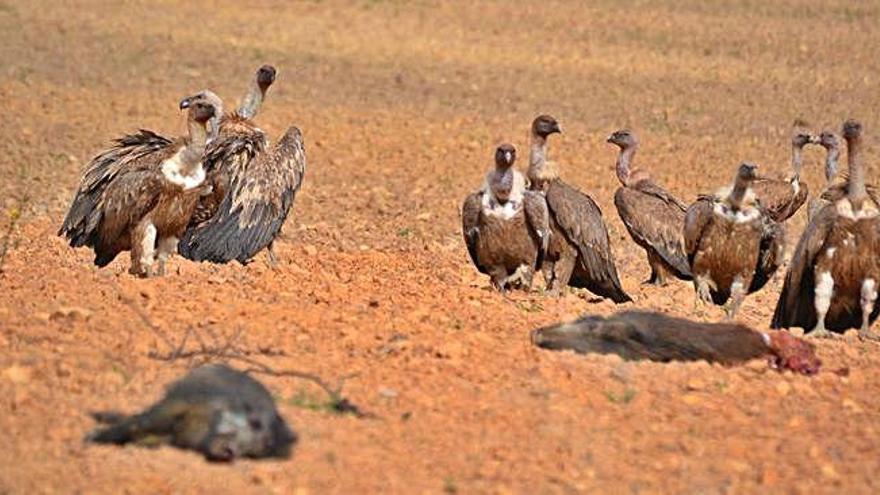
x,y
802,138
505,155
265,77
198,104
852,129
829,140
747,172
622,138
544,125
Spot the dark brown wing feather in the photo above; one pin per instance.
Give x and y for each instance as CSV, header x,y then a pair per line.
x,y
470,227
227,160
696,219
654,219
580,220
795,306
778,197
772,251
139,151
253,212
130,196
538,219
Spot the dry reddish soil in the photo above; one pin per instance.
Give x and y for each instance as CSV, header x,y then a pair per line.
x,y
401,104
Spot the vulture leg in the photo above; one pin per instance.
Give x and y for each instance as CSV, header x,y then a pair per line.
x,y
143,247
824,291
270,253
658,271
521,278
562,271
869,297
704,295
737,294
166,248
499,278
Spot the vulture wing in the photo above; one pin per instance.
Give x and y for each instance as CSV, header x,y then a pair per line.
x,y
126,200
470,226
696,219
771,252
538,218
227,159
255,208
580,219
654,218
778,197
795,306
131,152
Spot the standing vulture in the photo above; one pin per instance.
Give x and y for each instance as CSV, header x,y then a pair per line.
x,y
254,186
782,198
831,143
831,284
653,216
579,254
140,194
732,245
506,228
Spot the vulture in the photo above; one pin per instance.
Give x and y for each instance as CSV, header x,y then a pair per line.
x,y
831,142
831,284
215,410
579,254
506,227
782,198
644,335
732,244
652,216
254,186
836,186
140,194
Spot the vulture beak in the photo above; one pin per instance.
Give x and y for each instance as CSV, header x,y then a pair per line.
x,y
814,139
508,157
184,103
558,128
610,138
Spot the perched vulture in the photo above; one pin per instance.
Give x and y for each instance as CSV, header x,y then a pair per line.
x,y
643,335
140,194
732,245
506,228
653,216
831,284
782,198
254,186
216,410
579,254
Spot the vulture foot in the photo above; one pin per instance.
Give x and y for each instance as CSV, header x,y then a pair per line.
x,y
820,332
272,260
868,334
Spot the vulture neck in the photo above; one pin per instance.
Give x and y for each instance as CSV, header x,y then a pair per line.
x,y
797,161
624,160
541,172
738,193
251,102
192,153
538,152
831,163
857,191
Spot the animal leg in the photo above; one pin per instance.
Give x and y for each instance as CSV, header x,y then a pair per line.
x,y
869,297
270,253
499,279
166,247
737,294
704,294
824,291
521,278
658,271
143,248
562,271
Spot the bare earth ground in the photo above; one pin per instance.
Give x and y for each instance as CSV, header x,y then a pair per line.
x,y
401,104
